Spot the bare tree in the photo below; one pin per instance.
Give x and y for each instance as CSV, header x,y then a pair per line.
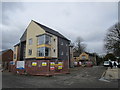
x,y
79,47
112,40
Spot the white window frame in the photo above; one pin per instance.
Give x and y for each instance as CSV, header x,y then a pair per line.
x,y
30,41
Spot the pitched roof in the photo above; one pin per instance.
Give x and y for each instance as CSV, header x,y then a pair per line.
x,y
76,54
49,30
1,52
90,54
17,44
23,37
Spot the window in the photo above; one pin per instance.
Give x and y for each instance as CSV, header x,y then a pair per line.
x,y
47,51
66,44
41,39
61,43
14,49
14,56
40,52
47,39
30,52
83,57
44,39
66,53
43,51
30,41
54,50
54,39
61,53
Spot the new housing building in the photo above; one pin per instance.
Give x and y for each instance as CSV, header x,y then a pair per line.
x,y
43,49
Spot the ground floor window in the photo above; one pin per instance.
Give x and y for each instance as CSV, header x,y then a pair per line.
x,y
43,52
29,52
40,52
47,51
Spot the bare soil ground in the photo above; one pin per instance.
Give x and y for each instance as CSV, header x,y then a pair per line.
x,y
79,77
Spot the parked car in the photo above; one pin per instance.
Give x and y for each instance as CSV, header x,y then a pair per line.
x,y
89,64
106,63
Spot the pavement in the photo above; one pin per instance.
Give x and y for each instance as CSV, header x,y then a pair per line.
x,y
111,74
79,77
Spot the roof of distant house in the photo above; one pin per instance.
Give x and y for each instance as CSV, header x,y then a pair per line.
x,y
76,54
1,52
90,54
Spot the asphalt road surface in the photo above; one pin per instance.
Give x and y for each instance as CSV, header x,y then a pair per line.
x,y
80,77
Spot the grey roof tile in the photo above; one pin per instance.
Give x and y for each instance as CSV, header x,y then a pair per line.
x,y
49,30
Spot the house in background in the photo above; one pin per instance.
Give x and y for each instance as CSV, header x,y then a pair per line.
x,y
5,57
85,58
44,50
16,53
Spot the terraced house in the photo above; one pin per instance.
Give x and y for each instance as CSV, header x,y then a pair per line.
x,y
43,49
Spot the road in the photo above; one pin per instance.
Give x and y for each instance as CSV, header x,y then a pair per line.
x,y
80,77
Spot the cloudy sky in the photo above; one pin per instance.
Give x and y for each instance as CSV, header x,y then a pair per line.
x,y
89,20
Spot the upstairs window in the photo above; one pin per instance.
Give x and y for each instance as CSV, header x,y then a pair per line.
x,y
41,39
14,49
44,39
14,56
30,41
47,39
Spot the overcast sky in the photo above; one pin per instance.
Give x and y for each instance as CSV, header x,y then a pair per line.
x,y
89,20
